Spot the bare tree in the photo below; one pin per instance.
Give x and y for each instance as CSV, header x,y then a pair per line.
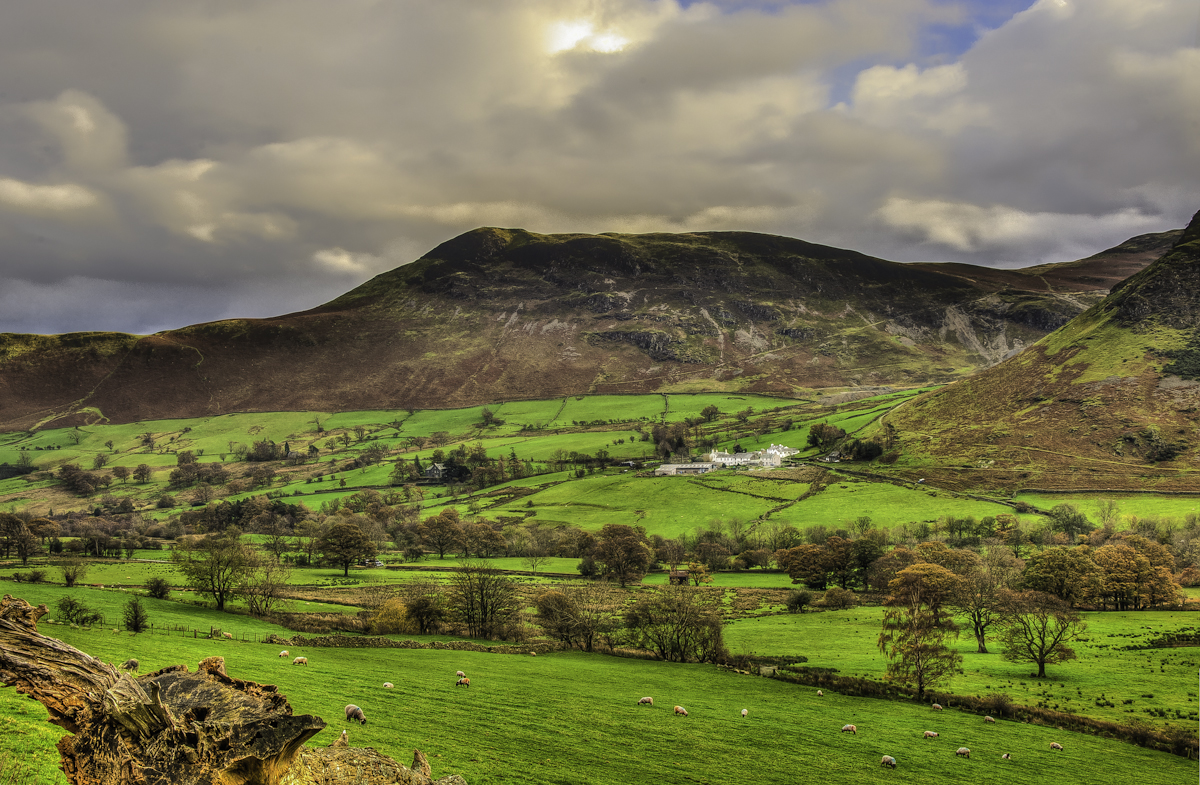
x,y
483,599
73,571
1036,627
263,583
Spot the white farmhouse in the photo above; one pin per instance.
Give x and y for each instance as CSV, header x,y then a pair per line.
x,y
771,457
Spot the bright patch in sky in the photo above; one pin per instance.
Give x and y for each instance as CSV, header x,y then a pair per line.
x,y
570,35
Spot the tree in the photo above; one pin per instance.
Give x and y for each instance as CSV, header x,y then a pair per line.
x,y
710,413
535,558
73,611
442,532
73,571
1070,521
141,473
623,553
135,616
917,625
1036,627
213,566
345,543
158,588
483,599
981,590
804,564
578,614
1068,573
122,473
677,624
698,574
425,606
263,583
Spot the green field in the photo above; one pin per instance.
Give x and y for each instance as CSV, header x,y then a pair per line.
x,y
571,717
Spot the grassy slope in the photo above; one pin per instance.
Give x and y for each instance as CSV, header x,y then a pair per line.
x,y
571,718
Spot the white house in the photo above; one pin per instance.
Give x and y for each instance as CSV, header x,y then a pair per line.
x,y
771,457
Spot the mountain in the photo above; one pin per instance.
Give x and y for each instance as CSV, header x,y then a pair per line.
x,y
503,314
1110,401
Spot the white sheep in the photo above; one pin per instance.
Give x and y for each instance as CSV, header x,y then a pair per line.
x,y
963,752
387,685
744,713
888,760
283,654
228,635
463,682
300,661
459,674
1054,745
929,734
988,719
646,701
820,694
355,713
936,707
682,712
1006,756
130,665
850,729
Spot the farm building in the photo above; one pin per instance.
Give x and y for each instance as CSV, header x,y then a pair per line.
x,y
670,469
771,457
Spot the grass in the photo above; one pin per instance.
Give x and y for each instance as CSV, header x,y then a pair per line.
x,y
572,718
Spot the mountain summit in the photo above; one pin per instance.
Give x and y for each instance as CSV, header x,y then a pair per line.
x,y
503,314
1109,401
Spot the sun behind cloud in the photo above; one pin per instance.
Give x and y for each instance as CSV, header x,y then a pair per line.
x,y
579,33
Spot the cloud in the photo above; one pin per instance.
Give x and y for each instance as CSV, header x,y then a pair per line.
x,y
204,153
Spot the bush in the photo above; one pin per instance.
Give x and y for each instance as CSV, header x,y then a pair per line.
x,y
998,703
797,600
73,611
158,588
836,599
391,618
135,616
36,576
166,501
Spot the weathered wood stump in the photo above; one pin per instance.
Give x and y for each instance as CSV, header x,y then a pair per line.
x,y
171,727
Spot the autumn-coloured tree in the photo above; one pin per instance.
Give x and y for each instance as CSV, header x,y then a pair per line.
x,y
804,564
345,543
981,590
623,553
917,626
442,532
1036,627
1067,573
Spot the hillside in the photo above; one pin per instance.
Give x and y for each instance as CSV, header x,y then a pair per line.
x,y
505,314
1109,401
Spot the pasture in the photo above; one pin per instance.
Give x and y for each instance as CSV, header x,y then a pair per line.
x,y
571,717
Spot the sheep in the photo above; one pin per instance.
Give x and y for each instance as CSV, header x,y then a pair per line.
x,y
850,729
963,752
300,661
929,734
1054,745
459,674
820,694
463,682
387,685
936,707
888,760
647,701
130,665
228,635
989,719
1006,756
744,713
355,713
682,712
283,654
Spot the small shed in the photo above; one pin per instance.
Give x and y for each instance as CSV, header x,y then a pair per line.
x,y
678,577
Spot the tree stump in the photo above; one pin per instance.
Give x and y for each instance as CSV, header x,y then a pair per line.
x,y
170,727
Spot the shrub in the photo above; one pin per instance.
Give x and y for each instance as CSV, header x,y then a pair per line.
x,y
73,611
166,501
391,618
158,588
836,599
36,576
73,570
797,600
1000,703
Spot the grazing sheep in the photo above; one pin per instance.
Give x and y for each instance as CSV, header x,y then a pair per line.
x,y
931,734
681,711
963,752
387,685
648,701
284,653
744,713
820,694
228,635
355,713
459,674
1054,745
1006,756
463,682
850,729
533,654
936,707
130,665
342,741
888,760
300,661
988,719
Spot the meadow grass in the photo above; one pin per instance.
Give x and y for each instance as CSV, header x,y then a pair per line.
x,y
571,717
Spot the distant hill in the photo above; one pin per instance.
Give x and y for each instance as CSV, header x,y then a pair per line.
x,y
503,314
1109,401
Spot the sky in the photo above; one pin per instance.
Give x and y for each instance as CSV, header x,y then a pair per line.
x,y
164,164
